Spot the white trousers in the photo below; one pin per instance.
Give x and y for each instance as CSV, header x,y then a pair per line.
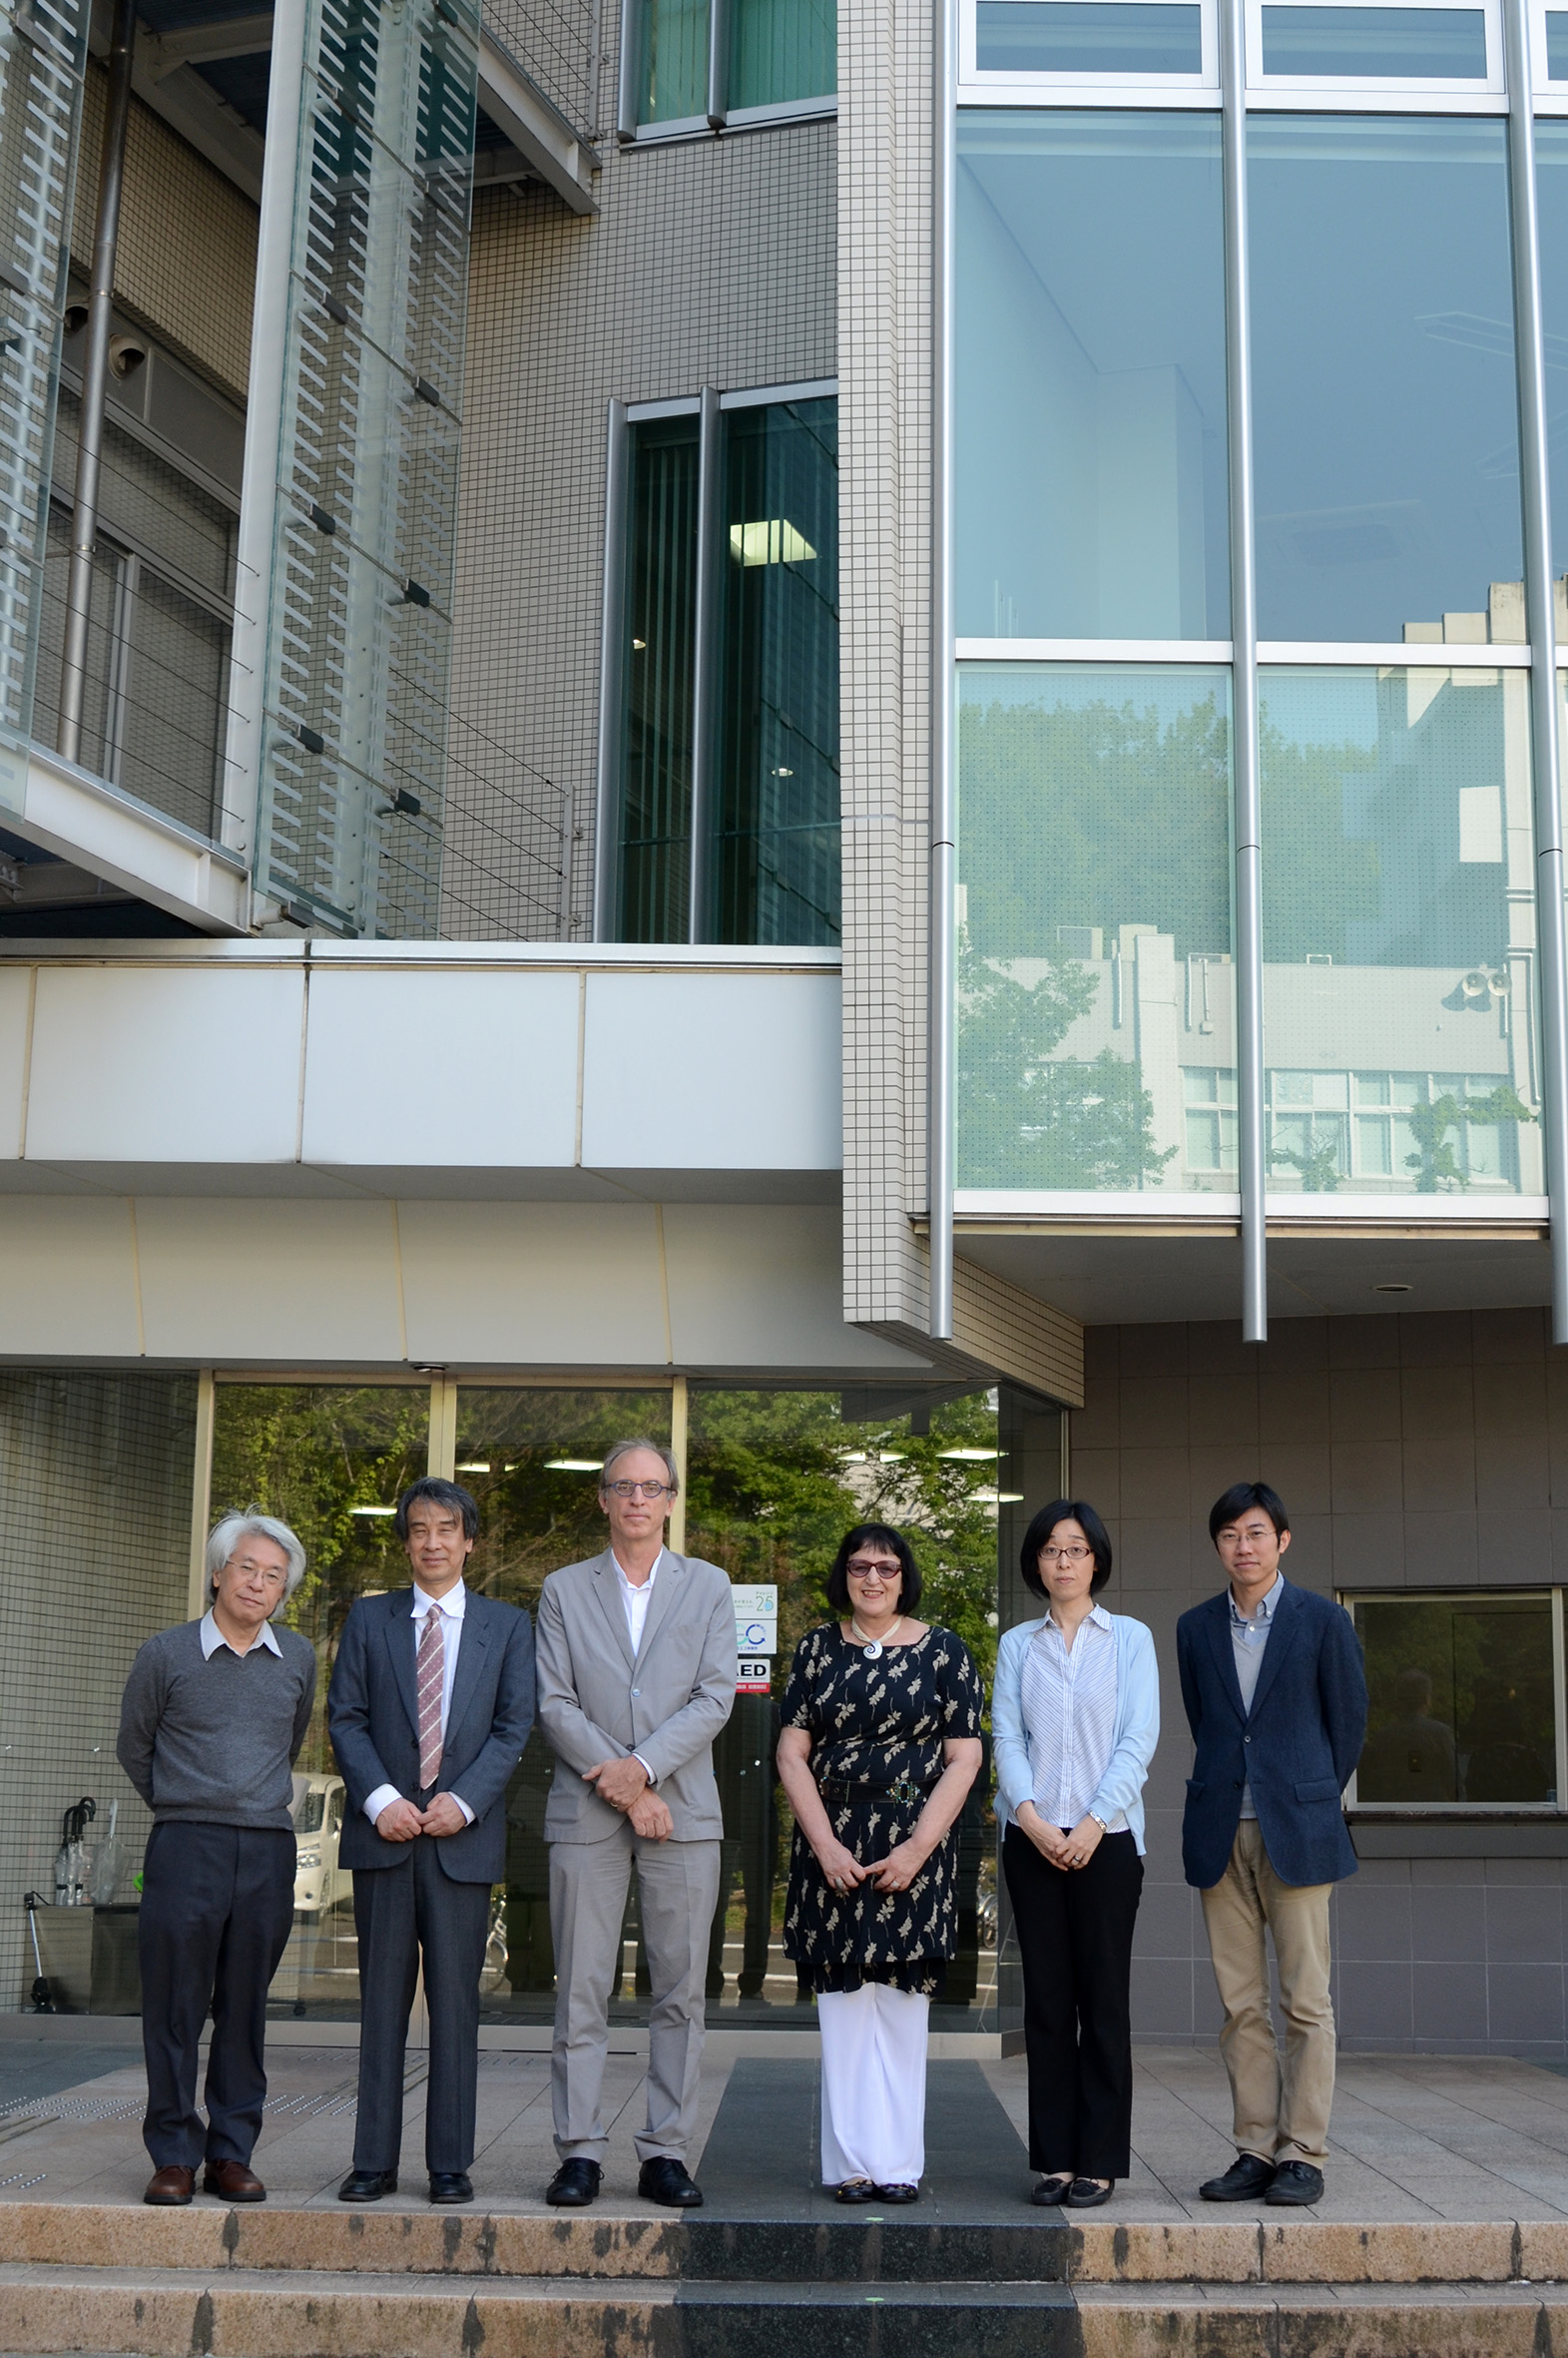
x,y
873,2083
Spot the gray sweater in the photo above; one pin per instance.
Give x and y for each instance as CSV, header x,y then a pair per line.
x,y
215,1740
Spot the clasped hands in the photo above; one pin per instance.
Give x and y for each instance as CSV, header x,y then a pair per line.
x,y
624,1784
895,1873
1071,1850
401,1821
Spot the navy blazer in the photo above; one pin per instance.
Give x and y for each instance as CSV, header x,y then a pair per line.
x,y
373,1713
1297,1747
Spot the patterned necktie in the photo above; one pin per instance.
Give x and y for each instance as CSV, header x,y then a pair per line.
x,y
431,1673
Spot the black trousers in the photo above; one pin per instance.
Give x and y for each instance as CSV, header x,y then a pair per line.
x,y
1075,1943
218,1903
399,1911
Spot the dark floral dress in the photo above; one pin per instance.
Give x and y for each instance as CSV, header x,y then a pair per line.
x,y
876,1730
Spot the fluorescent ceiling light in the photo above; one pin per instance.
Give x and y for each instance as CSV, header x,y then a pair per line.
x,y
372,1509
572,1464
475,1466
892,1456
972,1456
775,542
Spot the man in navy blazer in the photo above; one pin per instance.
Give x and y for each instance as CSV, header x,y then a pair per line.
x,y
1276,1697
431,1701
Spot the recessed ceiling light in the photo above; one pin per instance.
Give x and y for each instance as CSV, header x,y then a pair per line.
x,y
1390,1288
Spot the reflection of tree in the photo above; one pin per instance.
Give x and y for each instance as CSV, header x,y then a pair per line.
x,y
1319,1166
1434,1162
1026,1119
1316,879
1487,1667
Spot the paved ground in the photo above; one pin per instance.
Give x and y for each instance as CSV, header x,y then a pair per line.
x,y
1414,2138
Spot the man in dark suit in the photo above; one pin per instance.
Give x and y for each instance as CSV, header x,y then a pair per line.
x,y
431,1701
1276,1697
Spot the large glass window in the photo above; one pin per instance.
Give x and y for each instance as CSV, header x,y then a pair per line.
x,y
1466,1702
1147,37
1384,382
774,53
1552,181
1090,357
1400,1016
1399,44
1095,989
769,830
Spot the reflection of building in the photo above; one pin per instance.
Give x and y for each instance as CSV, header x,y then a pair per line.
x,y
468,982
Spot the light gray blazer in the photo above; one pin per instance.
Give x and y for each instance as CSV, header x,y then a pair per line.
x,y
596,1703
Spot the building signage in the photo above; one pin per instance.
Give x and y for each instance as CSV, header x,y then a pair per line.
x,y
755,1636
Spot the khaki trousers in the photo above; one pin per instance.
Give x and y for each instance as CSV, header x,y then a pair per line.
x,y
1280,2116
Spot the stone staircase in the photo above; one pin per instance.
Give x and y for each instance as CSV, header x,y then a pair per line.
x,y
329,2283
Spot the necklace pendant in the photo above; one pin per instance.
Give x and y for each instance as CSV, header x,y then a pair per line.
x,y
873,1653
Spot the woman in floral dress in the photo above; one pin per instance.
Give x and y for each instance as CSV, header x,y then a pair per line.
x,y
881,1745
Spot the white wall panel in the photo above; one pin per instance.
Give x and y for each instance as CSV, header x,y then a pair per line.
x,y
70,1284
265,1279
15,988
533,1283
441,1070
162,1065
762,1287
712,1072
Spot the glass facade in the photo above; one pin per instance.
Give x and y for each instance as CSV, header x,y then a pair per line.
x,y
1095,975
1397,969
766,824
1090,491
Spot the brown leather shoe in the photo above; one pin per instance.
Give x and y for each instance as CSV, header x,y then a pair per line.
x,y
233,2181
171,2185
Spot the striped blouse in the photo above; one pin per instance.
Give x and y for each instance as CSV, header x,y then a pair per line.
x,y
1069,1706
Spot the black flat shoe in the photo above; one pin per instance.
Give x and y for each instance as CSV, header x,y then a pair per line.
x,y
897,2193
574,2185
855,2190
1296,2183
1050,2193
1088,2194
451,2185
1247,2179
368,2185
664,2179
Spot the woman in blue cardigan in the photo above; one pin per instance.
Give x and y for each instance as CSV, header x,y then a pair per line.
x,y
1075,1717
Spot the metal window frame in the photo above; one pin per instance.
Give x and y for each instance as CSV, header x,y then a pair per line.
x,y
719,116
708,407
975,86
1479,1811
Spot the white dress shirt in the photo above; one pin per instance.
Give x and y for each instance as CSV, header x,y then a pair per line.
x,y
635,1600
1069,1700
1248,1636
450,1607
213,1637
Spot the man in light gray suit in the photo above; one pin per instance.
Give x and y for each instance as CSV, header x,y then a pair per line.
x,y
636,1671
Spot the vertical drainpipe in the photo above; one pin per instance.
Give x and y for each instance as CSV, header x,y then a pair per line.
x,y
95,382
704,665
1541,622
629,76
717,63
941,947
1243,686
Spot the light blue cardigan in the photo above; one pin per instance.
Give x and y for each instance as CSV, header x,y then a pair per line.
x,y
1134,1738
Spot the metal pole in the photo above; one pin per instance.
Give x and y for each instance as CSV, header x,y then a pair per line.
x,y
95,382
1244,688
1535,473
704,664
629,77
941,947
611,672
718,62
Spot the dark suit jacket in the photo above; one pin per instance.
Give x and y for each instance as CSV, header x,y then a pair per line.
x,y
373,1718
1296,1748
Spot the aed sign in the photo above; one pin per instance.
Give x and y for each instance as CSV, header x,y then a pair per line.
x,y
754,1674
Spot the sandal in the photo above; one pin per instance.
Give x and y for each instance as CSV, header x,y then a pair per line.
x,y
1052,2191
897,2193
855,2190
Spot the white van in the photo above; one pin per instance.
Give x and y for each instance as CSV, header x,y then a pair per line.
x,y
319,1882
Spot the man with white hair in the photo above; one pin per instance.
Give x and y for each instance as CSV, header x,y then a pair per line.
x,y
215,1714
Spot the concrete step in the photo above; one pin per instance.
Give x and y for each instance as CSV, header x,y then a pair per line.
x,y
248,2313
922,2248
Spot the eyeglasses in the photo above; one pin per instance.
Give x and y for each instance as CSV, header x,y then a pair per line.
x,y
1067,1555
883,1571
642,1490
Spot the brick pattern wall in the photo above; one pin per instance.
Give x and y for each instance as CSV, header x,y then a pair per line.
x,y
1411,1451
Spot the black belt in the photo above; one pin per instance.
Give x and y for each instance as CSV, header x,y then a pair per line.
x,y
905,1792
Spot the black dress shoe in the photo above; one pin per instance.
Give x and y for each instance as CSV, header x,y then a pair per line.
x,y
899,2194
1247,2179
664,2179
855,2190
451,2185
1295,2182
1052,2191
1089,2193
574,2185
368,2185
